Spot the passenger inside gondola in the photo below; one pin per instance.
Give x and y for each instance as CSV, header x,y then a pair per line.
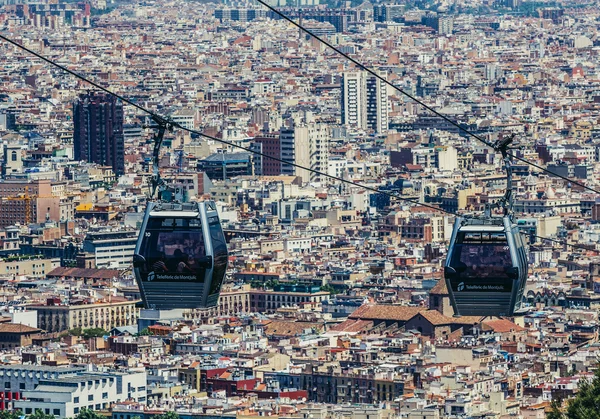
x,y
174,252
158,262
480,258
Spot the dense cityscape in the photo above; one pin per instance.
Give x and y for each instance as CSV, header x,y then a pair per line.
x,y
337,194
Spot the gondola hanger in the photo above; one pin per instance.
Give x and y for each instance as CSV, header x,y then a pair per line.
x,y
180,258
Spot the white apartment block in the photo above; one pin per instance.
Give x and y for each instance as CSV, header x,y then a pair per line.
x,y
66,396
111,249
354,99
365,103
377,105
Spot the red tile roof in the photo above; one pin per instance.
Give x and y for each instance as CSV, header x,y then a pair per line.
x,y
502,326
385,312
351,325
84,273
17,328
440,288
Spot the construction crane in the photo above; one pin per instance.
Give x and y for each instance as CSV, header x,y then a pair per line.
x,y
26,198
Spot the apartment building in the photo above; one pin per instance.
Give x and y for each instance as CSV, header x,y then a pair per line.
x,y
20,378
57,318
66,396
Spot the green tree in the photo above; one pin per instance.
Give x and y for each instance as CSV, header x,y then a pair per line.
x,y
556,412
76,331
7,414
328,288
40,415
95,332
143,332
584,405
88,414
167,415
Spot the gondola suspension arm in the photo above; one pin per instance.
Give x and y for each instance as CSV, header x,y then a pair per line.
x,y
502,146
163,125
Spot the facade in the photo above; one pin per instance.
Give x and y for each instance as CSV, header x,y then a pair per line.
x,y
12,159
98,131
364,101
305,144
239,15
111,249
31,267
231,303
20,378
57,318
354,99
285,296
26,202
14,335
377,105
270,147
222,166
66,396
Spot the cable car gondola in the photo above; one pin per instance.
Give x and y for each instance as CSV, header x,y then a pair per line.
x,y
486,267
180,258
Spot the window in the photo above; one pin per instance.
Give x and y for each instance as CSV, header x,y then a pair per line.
x,y
56,412
22,386
75,410
13,156
90,397
104,396
75,399
7,384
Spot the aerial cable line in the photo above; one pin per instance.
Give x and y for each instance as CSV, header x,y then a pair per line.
x,y
575,246
162,121
408,95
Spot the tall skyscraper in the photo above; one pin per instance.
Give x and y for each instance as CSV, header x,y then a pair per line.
x,y
377,105
364,101
98,130
354,99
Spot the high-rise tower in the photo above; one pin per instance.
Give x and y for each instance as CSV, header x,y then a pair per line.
x,y
354,99
364,101
98,130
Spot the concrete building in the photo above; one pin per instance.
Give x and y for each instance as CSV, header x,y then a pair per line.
x,y
222,166
19,378
364,101
284,295
111,249
98,131
66,396
354,99
57,318
27,202
12,159
32,267
377,104
305,144
270,147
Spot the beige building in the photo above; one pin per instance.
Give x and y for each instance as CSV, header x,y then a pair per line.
x,y
232,302
27,202
247,300
57,318
28,267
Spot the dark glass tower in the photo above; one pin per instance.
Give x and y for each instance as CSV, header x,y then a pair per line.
x,y
98,130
